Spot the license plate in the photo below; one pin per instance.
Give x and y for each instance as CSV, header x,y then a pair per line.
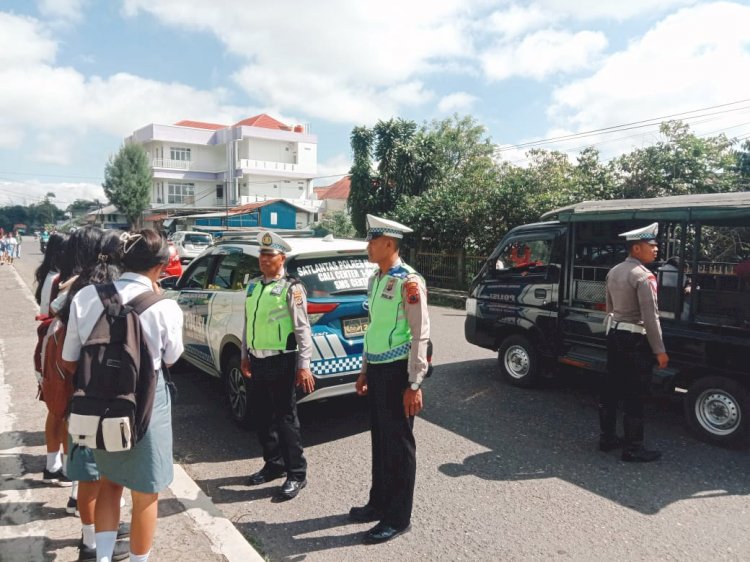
x,y
354,327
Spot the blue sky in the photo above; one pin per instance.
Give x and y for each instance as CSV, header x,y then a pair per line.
x,y
77,76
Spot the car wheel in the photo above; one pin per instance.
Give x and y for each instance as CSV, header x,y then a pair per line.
x,y
717,410
237,392
519,362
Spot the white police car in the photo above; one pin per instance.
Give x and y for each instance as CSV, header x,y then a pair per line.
x,y
211,294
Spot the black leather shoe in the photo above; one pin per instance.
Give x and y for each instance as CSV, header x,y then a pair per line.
x,y
365,514
640,455
263,476
382,533
291,488
607,444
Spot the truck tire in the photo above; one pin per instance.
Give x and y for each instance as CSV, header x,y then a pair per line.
x,y
717,410
237,392
518,361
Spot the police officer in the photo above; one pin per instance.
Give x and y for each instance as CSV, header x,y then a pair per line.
x,y
276,352
634,344
394,364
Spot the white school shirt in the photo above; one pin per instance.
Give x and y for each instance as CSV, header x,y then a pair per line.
x,y
44,301
161,323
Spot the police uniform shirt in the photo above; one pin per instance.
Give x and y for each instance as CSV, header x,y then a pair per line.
x,y
296,301
161,323
414,301
631,297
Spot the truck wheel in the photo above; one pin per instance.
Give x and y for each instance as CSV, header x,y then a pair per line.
x,y
519,363
237,391
717,410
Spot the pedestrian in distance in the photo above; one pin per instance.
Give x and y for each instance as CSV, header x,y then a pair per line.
x,y
276,353
147,468
394,364
634,345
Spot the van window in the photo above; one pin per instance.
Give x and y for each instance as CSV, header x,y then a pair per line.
x,y
198,239
524,254
195,277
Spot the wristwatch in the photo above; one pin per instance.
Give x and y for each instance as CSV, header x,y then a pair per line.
x,y
415,386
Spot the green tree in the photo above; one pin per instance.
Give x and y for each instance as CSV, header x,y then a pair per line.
x,y
337,223
82,206
361,189
127,182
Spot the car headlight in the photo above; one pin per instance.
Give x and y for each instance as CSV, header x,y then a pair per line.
x,y
471,307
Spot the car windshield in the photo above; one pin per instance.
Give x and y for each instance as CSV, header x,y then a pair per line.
x,y
334,275
204,239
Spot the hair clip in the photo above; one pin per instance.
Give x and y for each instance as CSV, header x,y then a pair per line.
x,y
129,240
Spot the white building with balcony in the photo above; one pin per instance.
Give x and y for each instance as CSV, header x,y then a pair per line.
x,y
207,166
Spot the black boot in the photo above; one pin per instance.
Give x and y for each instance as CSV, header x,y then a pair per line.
x,y
633,449
608,439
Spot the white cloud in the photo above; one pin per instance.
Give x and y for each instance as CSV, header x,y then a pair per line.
x,y
24,41
58,105
518,20
684,62
33,191
616,10
339,60
69,11
456,102
543,53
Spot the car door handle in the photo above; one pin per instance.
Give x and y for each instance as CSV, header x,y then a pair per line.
x,y
540,293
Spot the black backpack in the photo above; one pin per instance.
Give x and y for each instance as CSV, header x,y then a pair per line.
x,y
115,382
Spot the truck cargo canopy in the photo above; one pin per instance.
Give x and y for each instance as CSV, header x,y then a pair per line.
x,y
710,207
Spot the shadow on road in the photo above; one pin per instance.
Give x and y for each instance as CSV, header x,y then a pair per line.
x,y
552,432
20,548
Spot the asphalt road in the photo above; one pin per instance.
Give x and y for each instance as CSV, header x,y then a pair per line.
x,y
503,473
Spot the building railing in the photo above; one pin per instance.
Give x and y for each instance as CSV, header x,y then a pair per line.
x,y
249,164
172,164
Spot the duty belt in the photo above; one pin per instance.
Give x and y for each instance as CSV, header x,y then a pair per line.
x,y
611,324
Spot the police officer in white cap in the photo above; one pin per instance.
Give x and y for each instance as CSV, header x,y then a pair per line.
x,y
634,345
394,365
276,352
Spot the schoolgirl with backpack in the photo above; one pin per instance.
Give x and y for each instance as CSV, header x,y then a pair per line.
x,y
121,408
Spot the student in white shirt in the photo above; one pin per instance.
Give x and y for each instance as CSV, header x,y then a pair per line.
x,y
147,468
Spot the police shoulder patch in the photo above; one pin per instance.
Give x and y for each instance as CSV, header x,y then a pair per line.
x,y
412,292
297,294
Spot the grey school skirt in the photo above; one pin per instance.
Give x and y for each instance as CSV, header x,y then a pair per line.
x,y
147,467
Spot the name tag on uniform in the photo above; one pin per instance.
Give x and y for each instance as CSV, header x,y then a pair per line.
x,y
388,291
276,291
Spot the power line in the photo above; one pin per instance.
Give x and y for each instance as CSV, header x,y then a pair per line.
x,y
627,126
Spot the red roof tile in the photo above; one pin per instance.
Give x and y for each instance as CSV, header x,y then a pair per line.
x,y
265,121
200,125
338,190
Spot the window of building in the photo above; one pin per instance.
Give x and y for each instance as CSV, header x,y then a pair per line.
x,y
179,153
181,193
219,191
274,218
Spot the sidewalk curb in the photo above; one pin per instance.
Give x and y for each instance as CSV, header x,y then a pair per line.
x,y
223,535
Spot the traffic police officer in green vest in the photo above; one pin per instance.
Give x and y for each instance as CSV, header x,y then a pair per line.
x,y
393,367
634,345
276,352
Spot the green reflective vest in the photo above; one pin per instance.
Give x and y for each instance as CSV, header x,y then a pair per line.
x,y
388,336
268,322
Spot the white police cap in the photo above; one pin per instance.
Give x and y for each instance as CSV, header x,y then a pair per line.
x,y
383,227
272,242
645,234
